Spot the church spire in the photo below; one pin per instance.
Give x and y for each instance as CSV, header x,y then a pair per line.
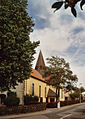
x,y
40,65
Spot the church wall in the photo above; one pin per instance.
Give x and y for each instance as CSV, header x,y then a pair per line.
x,y
28,87
62,97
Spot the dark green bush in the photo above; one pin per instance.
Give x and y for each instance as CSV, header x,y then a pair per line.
x,y
10,93
30,99
64,103
36,98
12,99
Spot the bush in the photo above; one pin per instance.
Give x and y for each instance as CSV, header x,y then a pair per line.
x,y
30,99
36,98
64,103
10,93
12,99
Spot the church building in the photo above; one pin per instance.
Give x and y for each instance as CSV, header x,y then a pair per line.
x,y
37,85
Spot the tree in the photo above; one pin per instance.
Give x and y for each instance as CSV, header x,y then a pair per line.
x,y
82,89
68,3
16,49
11,99
75,95
60,74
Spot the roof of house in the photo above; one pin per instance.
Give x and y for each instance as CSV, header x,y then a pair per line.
x,y
37,75
51,93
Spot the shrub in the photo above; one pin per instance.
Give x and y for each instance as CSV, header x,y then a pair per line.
x,y
10,93
30,99
36,98
12,99
64,103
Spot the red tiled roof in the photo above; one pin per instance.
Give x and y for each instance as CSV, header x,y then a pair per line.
x,y
36,74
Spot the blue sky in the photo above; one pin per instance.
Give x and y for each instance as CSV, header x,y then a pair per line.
x,y
60,34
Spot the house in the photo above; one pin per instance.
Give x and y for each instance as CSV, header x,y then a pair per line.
x,y
83,95
37,85
53,90
67,94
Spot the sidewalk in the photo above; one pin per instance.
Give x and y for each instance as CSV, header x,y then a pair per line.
x,y
40,112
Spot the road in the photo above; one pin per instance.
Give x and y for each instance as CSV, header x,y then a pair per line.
x,y
73,112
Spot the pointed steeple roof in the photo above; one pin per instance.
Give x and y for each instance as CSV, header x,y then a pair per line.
x,y
40,65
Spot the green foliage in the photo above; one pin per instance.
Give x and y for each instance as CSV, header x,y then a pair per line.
x,y
10,93
75,95
82,89
36,98
30,99
16,49
12,99
60,73
69,3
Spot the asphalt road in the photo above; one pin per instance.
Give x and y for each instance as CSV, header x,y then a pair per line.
x,y
73,112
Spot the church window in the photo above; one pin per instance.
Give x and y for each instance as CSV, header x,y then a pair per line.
x,y
45,92
32,89
39,91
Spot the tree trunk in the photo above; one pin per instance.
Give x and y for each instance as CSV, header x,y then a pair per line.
x,y
58,99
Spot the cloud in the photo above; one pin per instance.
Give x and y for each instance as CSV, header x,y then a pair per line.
x,y
53,39
80,71
60,34
36,10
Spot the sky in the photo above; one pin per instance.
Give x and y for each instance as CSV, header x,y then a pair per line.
x,y
60,34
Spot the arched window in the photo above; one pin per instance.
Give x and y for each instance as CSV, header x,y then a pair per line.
x,y
32,89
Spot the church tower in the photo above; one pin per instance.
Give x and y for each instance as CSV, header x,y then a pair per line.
x,y
40,65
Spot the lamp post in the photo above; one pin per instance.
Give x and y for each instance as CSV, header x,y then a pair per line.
x,y
80,92
80,95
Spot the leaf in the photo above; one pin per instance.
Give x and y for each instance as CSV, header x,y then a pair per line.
x,y
82,3
73,11
57,5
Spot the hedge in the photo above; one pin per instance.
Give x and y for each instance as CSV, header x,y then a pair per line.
x,y
22,109
30,99
63,103
11,99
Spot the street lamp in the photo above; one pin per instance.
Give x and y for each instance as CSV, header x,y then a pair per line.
x,y
80,92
